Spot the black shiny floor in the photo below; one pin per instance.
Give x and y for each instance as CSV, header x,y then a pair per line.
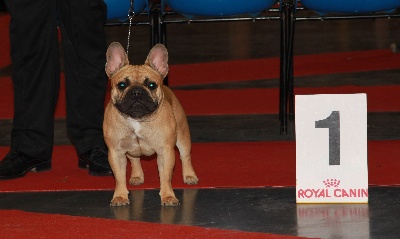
x,y
271,210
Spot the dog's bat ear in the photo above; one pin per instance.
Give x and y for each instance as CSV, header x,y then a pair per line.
x,y
116,58
158,59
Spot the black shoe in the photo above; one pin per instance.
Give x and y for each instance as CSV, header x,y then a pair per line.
x,y
16,164
97,161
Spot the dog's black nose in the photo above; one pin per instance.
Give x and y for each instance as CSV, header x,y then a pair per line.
x,y
137,91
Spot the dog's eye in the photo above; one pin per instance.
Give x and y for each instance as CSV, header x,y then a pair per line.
x,y
122,85
152,85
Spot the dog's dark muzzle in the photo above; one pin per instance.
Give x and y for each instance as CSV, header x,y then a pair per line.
x,y
137,103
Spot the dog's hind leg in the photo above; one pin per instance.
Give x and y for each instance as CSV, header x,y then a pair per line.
x,y
137,175
184,147
189,176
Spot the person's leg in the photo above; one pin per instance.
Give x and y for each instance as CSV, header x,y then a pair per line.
x,y
83,39
34,55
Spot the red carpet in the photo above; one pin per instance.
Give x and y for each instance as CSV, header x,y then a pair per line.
x,y
266,101
218,165
255,69
19,224
4,41
236,101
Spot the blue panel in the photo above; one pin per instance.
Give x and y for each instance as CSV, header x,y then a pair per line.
x,y
351,6
118,9
219,8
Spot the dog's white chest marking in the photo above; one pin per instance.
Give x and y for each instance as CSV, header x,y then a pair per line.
x,y
139,144
136,127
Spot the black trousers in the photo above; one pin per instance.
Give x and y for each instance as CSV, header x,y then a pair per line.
x,y
36,72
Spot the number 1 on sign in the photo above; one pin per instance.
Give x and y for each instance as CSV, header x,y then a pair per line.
x,y
332,122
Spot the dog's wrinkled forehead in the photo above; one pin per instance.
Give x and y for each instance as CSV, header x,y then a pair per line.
x,y
137,74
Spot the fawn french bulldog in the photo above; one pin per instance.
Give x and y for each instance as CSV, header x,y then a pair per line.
x,y
144,117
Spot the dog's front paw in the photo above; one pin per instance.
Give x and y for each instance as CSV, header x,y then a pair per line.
x,y
169,201
119,201
136,181
191,180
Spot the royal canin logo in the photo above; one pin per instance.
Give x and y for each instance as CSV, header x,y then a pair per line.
x,y
332,183
332,190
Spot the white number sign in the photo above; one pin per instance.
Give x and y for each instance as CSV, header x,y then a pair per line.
x,y
331,148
